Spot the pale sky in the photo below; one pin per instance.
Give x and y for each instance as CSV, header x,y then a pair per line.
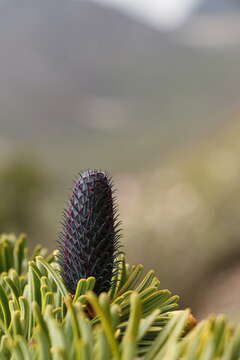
x,y
160,13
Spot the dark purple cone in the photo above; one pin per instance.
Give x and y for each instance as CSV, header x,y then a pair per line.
x,y
88,243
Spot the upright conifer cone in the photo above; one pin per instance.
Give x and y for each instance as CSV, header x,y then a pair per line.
x,y
89,241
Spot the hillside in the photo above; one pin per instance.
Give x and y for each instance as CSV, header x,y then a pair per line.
x,y
78,74
218,6
213,25
55,54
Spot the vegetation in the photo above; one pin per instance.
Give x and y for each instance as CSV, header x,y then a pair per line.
x,y
23,184
39,319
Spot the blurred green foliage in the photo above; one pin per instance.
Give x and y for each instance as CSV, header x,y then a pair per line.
x,y
22,187
186,213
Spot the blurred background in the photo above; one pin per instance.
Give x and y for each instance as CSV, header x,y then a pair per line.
x,y
148,90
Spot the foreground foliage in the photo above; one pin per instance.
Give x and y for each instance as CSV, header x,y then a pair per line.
x,y
40,320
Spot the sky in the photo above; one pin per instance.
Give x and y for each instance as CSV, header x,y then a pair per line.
x,y
159,13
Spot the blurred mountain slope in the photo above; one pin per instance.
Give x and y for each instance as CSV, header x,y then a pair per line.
x,y
54,54
74,70
214,24
217,6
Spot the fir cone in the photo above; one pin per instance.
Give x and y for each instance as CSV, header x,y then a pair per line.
x,y
89,241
